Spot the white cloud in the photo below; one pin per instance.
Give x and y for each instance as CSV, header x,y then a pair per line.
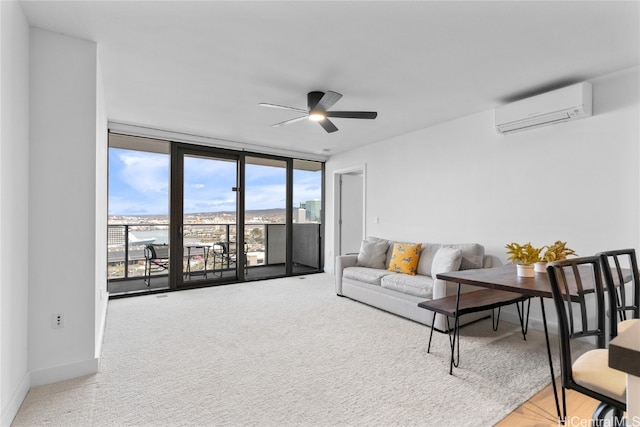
x,y
146,172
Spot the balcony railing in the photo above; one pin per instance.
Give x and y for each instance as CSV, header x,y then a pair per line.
x,y
264,244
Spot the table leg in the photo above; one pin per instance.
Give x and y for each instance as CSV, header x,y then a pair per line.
x,y
524,317
553,377
205,252
456,334
187,273
433,321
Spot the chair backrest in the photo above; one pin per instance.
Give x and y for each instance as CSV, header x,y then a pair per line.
x,y
226,249
152,251
221,247
624,295
578,296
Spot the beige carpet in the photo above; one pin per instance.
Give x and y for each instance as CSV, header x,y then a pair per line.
x,y
288,352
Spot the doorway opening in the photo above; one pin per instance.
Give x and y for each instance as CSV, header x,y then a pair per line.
x,y
349,211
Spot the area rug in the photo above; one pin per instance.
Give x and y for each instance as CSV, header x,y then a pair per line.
x,y
288,352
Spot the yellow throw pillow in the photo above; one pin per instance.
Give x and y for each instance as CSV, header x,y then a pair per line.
x,y
405,257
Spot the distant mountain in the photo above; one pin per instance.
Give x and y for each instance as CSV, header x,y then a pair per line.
x,y
253,212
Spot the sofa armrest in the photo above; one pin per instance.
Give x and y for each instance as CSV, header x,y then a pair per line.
x,y
442,288
491,261
342,262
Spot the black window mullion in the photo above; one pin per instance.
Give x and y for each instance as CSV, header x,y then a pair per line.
x,y
289,219
240,255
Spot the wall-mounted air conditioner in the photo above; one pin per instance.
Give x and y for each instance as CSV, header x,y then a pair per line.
x,y
561,105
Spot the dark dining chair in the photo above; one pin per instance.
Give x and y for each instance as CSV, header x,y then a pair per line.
x,y
622,265
578,295
156,259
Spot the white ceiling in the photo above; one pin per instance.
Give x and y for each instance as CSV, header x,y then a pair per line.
x,y
203,67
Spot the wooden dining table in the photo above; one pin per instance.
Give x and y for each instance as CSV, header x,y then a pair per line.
x,y
624,354
505,278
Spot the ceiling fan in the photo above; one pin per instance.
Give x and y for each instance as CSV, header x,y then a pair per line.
x,y
318,104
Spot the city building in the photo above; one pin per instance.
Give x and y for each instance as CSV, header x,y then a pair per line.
x,y
313,210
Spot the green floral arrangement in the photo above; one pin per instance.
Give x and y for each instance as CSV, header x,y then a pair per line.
x,y
557,252
523,254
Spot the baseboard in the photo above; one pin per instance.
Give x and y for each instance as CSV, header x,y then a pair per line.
x,y
103,326
10,411
64,372
52,375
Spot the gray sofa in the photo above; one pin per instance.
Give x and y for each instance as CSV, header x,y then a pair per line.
x,y
365,278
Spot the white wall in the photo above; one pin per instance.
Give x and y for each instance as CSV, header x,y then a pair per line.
x,y
100,195
460,181
53,184
14,232
64,206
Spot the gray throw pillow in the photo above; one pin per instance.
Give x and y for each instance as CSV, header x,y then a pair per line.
x,y
373,253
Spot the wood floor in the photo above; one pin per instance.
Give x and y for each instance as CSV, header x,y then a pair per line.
x,y
540,410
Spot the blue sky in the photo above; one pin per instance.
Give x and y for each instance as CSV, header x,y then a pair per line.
x,y
139,184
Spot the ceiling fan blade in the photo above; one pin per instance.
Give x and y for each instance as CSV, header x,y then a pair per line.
x,y
313,98
328,99
287,122
353,114
265,104
328,125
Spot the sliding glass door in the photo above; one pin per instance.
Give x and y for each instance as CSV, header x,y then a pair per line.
x,y
183,216
265,225
205,202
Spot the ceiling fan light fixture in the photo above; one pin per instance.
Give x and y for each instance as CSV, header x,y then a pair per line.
x,y
317,116
318,104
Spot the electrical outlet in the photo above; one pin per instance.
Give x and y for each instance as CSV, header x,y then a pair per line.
x,y
57,321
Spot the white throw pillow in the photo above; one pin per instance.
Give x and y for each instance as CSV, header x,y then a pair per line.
x,y
373,253
445,260
429,251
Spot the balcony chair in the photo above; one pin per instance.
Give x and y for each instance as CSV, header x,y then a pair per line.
x,y
225,252
156,259
224,255
577,301
627,298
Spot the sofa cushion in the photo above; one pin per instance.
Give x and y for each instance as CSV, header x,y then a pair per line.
x,y
372,276
445,260
373,253
419,286
472,255
405,257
